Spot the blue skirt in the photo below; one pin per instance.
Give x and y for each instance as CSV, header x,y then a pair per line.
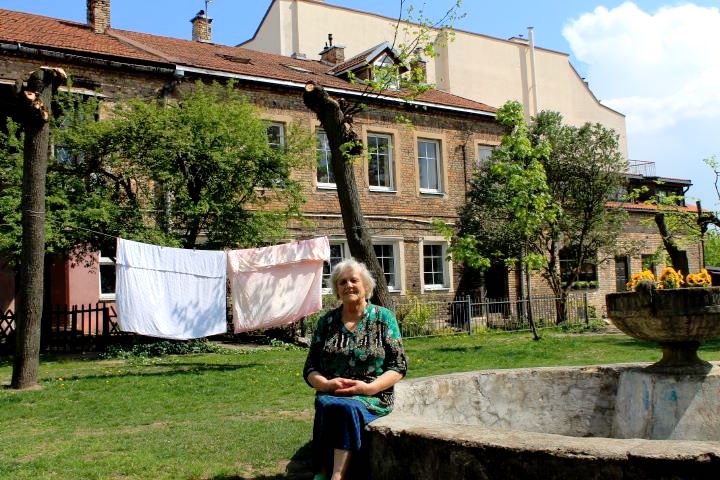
x,y
339,423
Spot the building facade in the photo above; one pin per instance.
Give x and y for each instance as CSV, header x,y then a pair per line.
x,y
414,173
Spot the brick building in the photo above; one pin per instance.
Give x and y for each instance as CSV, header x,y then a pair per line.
x,y
425,166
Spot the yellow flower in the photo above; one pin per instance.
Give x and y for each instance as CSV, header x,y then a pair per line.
x,y
669,278
701,279
644,276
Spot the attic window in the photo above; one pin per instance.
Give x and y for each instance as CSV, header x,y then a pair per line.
x,y
384,71
233,58
297,69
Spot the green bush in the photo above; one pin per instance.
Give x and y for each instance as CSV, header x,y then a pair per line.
x,y
415,317
161,348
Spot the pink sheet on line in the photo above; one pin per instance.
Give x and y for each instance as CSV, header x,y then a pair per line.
x,y
276,285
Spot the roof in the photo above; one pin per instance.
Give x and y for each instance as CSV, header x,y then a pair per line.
x,y
648,207
208,58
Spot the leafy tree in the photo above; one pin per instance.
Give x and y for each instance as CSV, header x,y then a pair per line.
x,y
196,172
544,190
336,115
712,248
162,173
585,170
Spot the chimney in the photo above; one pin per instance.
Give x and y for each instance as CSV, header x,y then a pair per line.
x,y
418,67
202,30
98,15
332,54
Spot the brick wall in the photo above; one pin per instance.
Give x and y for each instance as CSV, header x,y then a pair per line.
x,y
402,216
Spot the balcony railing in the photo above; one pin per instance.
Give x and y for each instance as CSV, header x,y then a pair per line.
x,y
641,167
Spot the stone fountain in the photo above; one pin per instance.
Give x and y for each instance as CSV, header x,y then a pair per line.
x,y
659,421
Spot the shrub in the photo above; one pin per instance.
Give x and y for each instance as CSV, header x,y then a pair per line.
x,y
415,317
162,348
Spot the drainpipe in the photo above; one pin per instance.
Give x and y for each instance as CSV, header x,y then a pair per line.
x,y
531,44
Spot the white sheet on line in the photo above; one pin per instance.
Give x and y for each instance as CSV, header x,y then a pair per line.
x,y
170,293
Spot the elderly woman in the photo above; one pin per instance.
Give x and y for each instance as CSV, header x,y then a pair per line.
x,y
355,358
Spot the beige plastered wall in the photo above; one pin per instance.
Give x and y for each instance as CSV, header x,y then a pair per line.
x,y
482,68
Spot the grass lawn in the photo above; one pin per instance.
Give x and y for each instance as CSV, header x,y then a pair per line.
x,y
245,414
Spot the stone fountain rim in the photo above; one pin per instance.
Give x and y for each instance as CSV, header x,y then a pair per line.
x,y
553,444
549,443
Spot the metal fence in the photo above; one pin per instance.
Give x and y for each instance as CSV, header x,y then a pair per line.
x,y
421,318
78,328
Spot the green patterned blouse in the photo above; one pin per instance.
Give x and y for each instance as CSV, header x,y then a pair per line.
x,y
372,349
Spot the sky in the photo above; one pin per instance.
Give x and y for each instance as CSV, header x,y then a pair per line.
x,y
656,61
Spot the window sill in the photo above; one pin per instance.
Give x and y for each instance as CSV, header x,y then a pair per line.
x,y
436,288
107,298
382,190
431,193
326,186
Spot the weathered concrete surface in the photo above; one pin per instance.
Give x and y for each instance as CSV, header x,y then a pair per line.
x,y
566,401
622,401
408,447
662,407
551,423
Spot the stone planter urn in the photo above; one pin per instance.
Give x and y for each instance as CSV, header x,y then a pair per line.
x,y
678,319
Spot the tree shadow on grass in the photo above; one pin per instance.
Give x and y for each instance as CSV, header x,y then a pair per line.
x,y
299,468
165,369
475,348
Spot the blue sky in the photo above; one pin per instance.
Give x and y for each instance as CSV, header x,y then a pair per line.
x,y
648,59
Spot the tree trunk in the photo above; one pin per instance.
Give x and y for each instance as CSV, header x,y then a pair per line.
x,y
338,128
35,115
678,257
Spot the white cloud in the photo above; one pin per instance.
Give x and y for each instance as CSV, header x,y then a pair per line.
x,y
659,68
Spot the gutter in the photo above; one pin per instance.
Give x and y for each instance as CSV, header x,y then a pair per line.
x,y
20,48
181,69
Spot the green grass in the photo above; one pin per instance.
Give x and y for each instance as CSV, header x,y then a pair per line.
x,y
225,416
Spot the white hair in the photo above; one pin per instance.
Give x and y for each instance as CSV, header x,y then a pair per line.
x,y
352,264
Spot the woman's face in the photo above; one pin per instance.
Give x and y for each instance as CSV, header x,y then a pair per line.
x,y
350,286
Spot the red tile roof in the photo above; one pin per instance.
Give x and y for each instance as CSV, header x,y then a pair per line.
x,y
38,31
51,33
645,207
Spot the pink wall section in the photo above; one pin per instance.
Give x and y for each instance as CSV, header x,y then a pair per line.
x,y
83,283
7,287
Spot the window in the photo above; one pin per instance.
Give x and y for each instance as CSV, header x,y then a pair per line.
x,y
325,177
276,135
587,276
107,277
435,275
483,155
622,273
337,255
386,255
380,162
429,166
649,262
386,72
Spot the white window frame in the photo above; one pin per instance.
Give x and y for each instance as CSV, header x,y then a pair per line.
x,y
105,261
325,185
390,162
282,134
446,266
345,255
480,159
397,256
438,165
